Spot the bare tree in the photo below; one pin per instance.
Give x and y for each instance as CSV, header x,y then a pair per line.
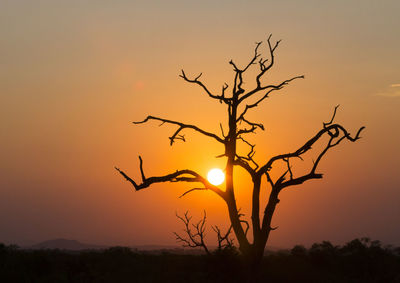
x,y
239,103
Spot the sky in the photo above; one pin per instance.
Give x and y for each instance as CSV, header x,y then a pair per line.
x,y
75,74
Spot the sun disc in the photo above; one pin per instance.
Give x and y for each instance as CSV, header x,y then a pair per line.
x,y
216,176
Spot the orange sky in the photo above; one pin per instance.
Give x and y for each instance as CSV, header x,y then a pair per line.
x,y
74,75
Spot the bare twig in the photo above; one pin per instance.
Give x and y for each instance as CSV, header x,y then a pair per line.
x,y
192,190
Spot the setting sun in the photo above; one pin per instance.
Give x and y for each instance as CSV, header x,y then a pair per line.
x,y
216,176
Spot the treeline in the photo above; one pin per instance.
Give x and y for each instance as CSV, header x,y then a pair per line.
x,y
360,260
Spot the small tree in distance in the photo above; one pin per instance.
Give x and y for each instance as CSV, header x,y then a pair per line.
x,y
239,102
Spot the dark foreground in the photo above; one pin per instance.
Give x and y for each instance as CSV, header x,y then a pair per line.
x,y
357,261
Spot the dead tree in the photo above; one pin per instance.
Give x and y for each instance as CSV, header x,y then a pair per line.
x,y
239,103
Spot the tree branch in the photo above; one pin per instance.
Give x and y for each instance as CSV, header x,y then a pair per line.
x,y
250,154
269,89
178,176
239,161
196,81
307,146
181,127
337,134
238,81
263,68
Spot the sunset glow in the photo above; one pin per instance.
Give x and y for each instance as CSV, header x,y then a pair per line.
x,y
74,77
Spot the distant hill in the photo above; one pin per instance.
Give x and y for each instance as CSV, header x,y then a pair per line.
x,y
64,244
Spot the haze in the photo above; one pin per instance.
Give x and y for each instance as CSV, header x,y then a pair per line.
x,y
75,74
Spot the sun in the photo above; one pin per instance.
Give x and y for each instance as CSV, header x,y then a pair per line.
x,y
216,176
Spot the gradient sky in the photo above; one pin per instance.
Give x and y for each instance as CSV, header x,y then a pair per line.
x,y
75,74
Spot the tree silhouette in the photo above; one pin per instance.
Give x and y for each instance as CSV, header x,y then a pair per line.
x,y
239,103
